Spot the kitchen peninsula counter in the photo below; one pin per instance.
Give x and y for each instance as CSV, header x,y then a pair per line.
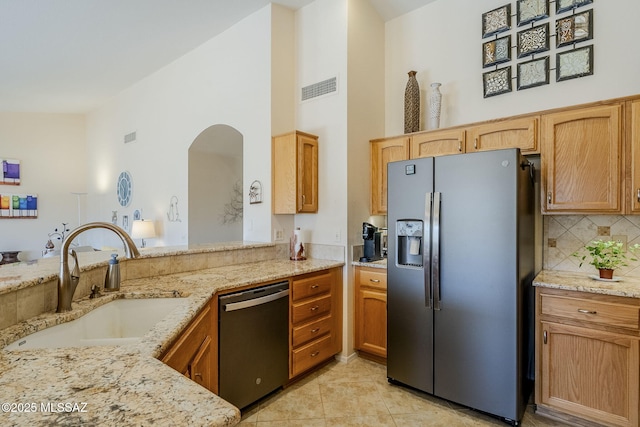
x,y
127,385
569,281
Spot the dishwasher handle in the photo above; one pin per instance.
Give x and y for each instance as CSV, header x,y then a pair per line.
x,y
255,301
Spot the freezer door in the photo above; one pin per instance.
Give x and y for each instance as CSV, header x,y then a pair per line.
x,y
409,317
476,327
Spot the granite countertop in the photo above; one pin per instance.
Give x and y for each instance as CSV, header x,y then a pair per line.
x,y
626,287
126,385
374,264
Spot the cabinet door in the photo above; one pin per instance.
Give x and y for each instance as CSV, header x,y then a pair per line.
x,y
200,366
581,161
590,374
382,152
634,190
371,333
438,143
307,200
516,133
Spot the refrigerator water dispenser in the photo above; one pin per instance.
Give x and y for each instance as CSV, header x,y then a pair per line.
x,y
409,245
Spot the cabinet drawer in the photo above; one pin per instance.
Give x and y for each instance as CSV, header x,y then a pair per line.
x,y
310,309
311,354
185,348
373,279
311,286
311,331
600,312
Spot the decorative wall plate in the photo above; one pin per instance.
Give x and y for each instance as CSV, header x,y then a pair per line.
x,y
124,188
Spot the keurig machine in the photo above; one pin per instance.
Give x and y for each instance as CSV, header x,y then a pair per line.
x,y
372,244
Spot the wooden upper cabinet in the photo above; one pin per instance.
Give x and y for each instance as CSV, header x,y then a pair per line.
x,y
515,133
634,148
581,160
438,143
295,173
384,151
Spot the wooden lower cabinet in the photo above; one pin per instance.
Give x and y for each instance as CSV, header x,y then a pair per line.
x,y
315,319
371,311
191,353
588,362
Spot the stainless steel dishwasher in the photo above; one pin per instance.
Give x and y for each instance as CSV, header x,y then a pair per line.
x,y
253,343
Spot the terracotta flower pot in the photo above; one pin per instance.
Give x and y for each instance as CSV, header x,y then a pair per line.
x,y
606,273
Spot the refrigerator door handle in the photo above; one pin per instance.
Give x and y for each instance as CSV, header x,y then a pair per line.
x,y
426,251
435,250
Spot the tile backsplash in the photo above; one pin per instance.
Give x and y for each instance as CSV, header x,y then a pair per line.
x,y
566,234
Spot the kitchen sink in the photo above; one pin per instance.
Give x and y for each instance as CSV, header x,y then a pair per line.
x,y
119,322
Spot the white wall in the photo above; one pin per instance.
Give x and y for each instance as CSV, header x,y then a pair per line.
x,y
224,81
51,150
442,42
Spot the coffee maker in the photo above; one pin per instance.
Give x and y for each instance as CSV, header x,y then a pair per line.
x,y
372,243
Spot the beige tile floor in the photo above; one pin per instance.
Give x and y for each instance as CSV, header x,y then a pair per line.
x,y
357,394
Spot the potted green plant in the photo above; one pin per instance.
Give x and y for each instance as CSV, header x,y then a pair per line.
x,y
606,256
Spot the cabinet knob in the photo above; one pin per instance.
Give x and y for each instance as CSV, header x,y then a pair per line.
x,y
314,308
315,286
315,331
582,310
315,353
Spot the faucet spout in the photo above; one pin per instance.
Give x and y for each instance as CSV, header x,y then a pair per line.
x,y
67,280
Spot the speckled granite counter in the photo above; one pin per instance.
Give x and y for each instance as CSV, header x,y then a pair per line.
x,y
375,264
126,385
627,287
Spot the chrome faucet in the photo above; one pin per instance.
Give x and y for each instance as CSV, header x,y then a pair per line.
x,y
67,280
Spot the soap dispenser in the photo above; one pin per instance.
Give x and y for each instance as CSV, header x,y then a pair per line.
x,y
112,279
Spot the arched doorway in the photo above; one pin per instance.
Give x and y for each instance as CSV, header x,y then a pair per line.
x,y
215,186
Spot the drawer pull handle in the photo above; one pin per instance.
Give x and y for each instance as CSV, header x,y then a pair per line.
x,y
197,374
374,280
315,286
544,337
315,353
315,331
549,197
460,145
582,310
475,143
314,308
638,195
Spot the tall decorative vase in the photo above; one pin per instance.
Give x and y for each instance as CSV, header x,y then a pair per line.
x,y
412,105
435,104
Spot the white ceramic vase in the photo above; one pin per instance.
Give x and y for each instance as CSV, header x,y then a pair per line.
x,y
435,104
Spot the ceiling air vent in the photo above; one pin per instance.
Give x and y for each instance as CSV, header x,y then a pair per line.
x,y
318,89
130,137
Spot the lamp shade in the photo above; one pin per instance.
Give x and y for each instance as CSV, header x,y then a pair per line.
x,y
142,229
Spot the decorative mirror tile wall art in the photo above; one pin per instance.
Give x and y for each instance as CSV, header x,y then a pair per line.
x,y
533,40
536,55
565,5
533,73
497,82
574,29
531,10
496,51
496,21
574,63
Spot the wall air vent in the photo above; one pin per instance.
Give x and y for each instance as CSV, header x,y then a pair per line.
x,y
130,137
318,89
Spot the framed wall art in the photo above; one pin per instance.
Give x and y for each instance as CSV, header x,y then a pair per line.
x,y
533,40
497,82
496,21
18,205
531,10
574,63
10,172
496,51
575,28
533,73
565,5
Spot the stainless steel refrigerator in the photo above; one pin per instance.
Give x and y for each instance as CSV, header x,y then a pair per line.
x,y
460,267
